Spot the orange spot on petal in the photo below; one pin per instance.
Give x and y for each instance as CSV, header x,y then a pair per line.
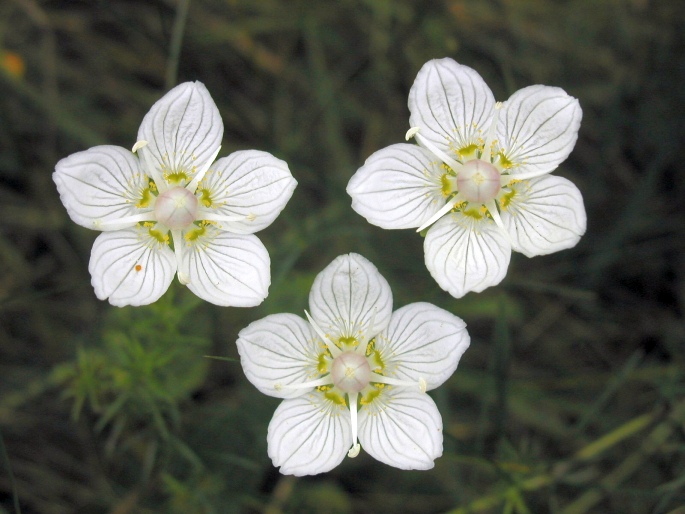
x,y
12,63
138,267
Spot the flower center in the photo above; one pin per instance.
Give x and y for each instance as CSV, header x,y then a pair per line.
x,y
478,181
176,208
350,372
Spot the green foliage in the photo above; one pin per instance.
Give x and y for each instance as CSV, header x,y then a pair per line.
x,y
319,498
144,365
197,493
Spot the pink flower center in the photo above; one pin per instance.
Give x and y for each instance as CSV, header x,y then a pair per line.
x,y
350,372
176,208
478,181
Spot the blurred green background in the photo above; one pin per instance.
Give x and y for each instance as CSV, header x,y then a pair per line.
x,y
571,398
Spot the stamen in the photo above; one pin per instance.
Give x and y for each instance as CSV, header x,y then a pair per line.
x,y
181,271
437,152
327,380
420,383
411,133
139,144
361,347
444,210
335,351
192,186
354,451
204,214
492,209
492,132
124,222
529,175
149,166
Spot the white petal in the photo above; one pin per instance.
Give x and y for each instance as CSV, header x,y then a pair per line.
x,y
398,187
251,185
102,184
451,104
422,341
545,215
537,129
278,350
466,255
230,270
309,435
347,295
183,130
402,428
130,268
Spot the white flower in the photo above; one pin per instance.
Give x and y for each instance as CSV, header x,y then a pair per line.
x,y
171,195
355,372
479,176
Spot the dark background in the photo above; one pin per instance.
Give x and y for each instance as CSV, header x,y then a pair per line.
x,y
571,397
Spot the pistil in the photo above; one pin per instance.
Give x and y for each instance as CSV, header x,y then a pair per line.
x,y
176,208
478,181
350,372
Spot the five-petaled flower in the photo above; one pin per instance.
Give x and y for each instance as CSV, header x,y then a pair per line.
x,y
173,195
355,373
479,177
